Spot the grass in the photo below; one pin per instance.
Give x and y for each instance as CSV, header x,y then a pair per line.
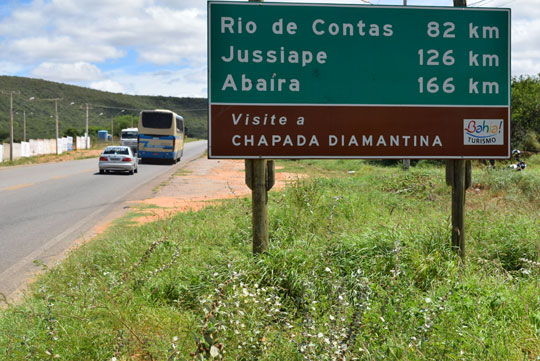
x,y
359,268
47,158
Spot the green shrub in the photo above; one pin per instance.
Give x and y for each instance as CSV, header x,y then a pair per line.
x,y
531,142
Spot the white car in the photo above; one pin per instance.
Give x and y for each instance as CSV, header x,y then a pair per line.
x,y
119,159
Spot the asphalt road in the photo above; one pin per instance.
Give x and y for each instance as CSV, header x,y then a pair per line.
x,y
44,208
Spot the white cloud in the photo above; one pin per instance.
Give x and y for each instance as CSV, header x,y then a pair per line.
x,y
181,38
186,82
95,31
525,9
525,47
87,42
108,86
9,68
24,21
58,49
74,72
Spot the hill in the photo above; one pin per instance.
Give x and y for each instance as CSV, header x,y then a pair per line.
x,y
104,107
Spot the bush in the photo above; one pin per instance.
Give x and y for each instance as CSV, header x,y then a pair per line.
x,y
72,132
530,142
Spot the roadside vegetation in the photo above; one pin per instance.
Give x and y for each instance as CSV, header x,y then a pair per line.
x,y
359,268
526,113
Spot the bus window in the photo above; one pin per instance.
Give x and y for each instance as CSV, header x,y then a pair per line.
x,y
157,120
179,125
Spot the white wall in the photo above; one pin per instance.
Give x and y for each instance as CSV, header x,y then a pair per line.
x,y
42,146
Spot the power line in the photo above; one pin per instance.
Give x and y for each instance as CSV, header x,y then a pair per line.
x,y
110,107
480,2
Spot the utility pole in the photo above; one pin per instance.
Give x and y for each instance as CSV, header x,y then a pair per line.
x,y
86,129
24,125
55,100
56,116
11,126
10,92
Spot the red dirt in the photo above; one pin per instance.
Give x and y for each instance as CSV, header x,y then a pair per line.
x,y
200,184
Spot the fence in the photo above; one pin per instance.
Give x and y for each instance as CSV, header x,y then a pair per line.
x,y
36,147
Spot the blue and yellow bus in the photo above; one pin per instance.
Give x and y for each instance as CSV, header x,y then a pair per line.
x,y
161,135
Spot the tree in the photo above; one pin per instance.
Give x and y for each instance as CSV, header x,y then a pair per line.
x,y
525,107
4,136
93,130
72,132
124,121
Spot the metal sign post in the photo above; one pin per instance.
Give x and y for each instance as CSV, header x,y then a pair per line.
x,y
459,181
257,174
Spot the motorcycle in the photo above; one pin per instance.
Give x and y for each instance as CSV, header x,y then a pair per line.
x,y
520,165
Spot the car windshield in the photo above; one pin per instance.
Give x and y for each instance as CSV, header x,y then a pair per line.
x,y
122,151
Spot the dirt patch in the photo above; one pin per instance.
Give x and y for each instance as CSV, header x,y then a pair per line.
x,y
200,184
76,154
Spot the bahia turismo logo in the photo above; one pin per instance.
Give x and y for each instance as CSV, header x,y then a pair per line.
x,y
483,132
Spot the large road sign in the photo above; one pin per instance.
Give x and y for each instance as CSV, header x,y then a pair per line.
x,y
356,81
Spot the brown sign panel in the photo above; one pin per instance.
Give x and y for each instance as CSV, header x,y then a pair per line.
x,y
322,131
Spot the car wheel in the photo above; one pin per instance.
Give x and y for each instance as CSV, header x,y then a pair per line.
x,y
101,171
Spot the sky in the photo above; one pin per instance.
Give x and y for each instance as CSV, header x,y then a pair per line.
x,y
159,47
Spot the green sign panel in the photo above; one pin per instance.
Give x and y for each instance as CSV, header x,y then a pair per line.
x,y
277,53
358,81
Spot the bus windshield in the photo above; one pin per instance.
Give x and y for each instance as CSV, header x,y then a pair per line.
x,y
129,135
156,120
